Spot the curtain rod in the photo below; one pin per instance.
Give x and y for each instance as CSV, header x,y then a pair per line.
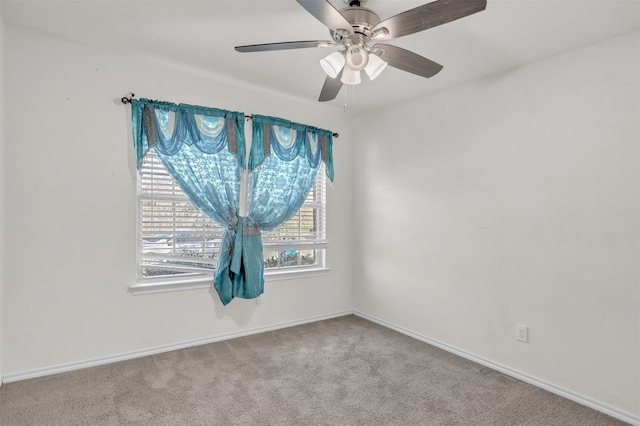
x,y
127,100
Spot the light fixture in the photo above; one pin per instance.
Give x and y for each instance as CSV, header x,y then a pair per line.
x,y
351,62
375,66
350,77
333,63
357,58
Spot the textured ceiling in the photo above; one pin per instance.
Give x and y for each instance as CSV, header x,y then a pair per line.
x,y
200,35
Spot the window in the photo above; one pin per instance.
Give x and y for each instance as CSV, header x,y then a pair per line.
x,y
299,242
177,242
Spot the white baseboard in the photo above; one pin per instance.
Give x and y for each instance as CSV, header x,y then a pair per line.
x,y
61,368
573,396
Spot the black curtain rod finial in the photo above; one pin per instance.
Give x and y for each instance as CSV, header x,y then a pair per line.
x,y
127,100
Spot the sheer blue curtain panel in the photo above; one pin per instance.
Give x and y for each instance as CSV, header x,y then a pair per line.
x,y
283,163
204,151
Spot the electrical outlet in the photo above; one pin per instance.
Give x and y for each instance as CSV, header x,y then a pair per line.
x,y
522,333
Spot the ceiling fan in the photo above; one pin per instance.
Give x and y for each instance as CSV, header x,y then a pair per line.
x,y
356,30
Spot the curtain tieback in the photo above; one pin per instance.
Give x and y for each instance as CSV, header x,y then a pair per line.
x,y
249,229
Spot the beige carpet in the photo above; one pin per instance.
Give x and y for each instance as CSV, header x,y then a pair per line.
x,y
344,371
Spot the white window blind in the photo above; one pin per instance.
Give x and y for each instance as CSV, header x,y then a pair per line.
x,y
300,242
176,240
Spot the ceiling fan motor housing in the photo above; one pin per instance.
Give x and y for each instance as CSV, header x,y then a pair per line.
x,y
361,20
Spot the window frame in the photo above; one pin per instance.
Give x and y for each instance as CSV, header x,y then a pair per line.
x,y
203,279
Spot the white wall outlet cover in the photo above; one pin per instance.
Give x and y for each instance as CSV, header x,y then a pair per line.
x,y
522,333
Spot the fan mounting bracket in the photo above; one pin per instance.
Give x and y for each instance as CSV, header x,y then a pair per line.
x,y
352,3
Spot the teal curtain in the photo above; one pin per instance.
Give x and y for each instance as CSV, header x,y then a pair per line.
x,y
204,151
283,162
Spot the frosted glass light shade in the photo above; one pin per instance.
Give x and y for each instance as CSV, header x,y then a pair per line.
x,y
350,77
375,66
357,58
332,64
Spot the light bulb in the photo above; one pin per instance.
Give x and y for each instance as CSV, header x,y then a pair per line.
x,y
357,58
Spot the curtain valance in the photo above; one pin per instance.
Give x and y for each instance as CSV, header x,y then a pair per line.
x,y
166,127
288,141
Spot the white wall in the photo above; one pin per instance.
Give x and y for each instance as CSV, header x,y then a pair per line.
x,y
70,211
513,200
2,139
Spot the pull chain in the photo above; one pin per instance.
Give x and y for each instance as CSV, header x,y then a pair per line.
x,y
346,88
353,95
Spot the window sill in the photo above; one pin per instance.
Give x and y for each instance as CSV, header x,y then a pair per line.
x,y
206,281
294,274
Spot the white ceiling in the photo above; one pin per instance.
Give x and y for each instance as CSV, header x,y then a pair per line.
x,y
200,35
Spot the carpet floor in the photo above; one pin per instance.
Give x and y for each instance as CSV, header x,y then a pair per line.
x,y
343,371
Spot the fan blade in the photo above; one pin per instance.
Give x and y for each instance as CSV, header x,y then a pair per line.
x,y
327,14
330,88
284,46
427,16
408,61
